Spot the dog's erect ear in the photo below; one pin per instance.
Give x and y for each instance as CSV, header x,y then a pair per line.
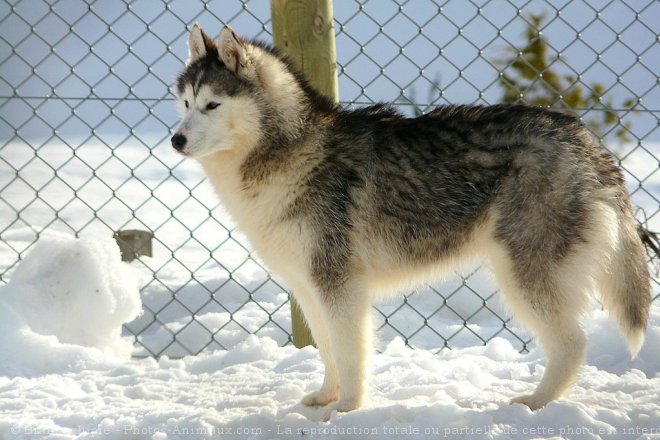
x,y
233,51
198,44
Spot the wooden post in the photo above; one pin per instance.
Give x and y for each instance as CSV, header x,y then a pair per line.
x,y
304,30
133,243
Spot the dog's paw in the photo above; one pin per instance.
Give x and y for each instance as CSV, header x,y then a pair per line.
x,y
533,401
343,405
321,397
346,405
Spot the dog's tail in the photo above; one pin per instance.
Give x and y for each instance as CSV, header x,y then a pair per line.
x,y
626,288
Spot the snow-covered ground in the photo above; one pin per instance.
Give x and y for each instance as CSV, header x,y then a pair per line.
x,y
65,365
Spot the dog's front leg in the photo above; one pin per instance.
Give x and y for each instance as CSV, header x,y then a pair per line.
x,y
349,319
317,322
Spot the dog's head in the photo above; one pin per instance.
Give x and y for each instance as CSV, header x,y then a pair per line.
x,y
235,93
217,94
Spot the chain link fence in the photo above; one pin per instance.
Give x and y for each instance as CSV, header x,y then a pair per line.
x,y
86,112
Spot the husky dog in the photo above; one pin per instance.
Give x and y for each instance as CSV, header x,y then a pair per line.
x,y
348,204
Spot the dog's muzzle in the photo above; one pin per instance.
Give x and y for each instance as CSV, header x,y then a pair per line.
x,y
179,142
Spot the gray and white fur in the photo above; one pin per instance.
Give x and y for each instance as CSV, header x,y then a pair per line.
x,y
349,205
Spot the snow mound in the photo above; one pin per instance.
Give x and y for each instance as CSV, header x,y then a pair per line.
x,y
65,304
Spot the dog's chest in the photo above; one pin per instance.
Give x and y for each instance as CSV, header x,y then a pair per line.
x,y
259,213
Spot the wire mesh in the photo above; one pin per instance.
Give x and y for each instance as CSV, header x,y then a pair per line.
x,y
87,112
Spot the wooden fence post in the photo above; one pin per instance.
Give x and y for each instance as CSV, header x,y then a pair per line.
x,y
133,243
304,30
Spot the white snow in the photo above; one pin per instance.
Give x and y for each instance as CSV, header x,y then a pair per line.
x,y
65,374
66,296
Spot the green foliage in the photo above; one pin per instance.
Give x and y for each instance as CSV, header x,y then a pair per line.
x,y
530,76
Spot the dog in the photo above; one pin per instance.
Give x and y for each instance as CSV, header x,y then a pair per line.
x,y
348,205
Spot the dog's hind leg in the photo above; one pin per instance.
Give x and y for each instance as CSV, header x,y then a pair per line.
x,y
563,342
551,309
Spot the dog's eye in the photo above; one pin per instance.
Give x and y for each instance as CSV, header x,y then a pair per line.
x,y
212,105
186,103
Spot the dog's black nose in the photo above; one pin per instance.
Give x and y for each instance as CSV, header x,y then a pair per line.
x,y
179,141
